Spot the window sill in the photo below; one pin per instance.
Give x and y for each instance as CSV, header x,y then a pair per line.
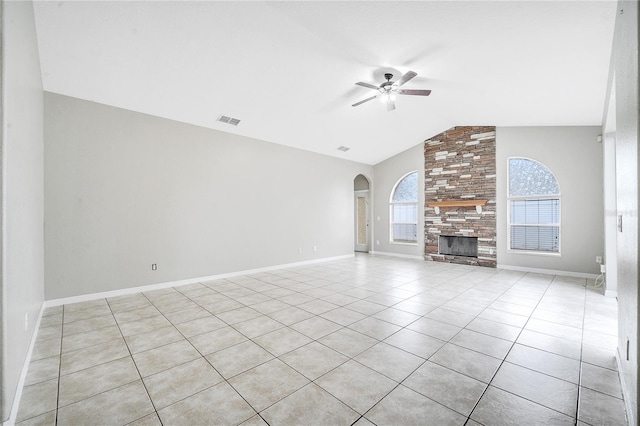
x,y
400,243
535,253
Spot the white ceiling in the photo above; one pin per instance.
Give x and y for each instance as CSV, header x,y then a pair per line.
x,y
287,69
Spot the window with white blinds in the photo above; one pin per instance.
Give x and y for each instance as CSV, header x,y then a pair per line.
x,y
404,210
534,207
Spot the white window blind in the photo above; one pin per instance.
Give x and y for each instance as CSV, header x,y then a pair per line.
x,y
535,225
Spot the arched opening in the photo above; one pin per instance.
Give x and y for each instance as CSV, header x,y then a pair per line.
x,y
361,214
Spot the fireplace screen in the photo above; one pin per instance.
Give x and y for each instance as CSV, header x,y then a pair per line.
x,y
459,246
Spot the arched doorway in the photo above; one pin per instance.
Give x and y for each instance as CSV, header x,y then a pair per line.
x,y
361,205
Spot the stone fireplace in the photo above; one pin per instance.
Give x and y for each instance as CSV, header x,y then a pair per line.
x,y
460,196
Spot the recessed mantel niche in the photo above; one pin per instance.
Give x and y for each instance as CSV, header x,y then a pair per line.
x,y
460,193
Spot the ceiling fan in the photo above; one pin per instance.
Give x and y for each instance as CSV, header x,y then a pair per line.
x,y
389,89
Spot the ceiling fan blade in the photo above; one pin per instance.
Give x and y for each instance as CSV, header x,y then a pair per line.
x,y
363,101
367,85
391,105
418,92
408,76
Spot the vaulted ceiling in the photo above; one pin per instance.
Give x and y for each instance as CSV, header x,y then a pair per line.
x,y
287,69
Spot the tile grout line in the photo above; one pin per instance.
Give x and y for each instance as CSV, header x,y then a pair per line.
x,y
425,359
464,328
511,348
317,341
421,364
579,393
226,380
187,340
60,365
135,365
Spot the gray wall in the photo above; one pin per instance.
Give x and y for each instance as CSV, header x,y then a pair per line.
x,y
575,157
124,190
625,68
22,241
386,175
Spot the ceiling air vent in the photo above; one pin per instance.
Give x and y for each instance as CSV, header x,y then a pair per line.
x,y
229,120
343,148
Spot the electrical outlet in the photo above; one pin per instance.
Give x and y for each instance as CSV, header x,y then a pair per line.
x,y
299,250
599,259
315,249
377,242
26,321
154,266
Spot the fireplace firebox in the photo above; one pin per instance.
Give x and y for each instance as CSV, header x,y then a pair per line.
x,y
458,246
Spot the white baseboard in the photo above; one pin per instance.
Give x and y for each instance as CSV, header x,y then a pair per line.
x,y
625,395
23,375
404,256
139,289
549,271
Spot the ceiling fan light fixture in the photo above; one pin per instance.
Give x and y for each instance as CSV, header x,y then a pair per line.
x,y
387,96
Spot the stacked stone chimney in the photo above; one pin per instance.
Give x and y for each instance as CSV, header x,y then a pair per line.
x,y
460,164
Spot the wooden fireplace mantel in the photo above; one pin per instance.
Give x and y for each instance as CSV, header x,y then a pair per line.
x,y
457,203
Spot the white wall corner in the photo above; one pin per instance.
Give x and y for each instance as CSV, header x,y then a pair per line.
x,y
627,403
23,375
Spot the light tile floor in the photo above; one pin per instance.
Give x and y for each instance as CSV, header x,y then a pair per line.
x,y
369,340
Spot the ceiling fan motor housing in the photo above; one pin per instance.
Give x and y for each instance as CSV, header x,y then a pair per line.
x,y
387,86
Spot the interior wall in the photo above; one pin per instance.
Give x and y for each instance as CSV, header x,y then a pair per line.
x,y
610,203
610,216
125,190
625,92
575,157
386,175
22,175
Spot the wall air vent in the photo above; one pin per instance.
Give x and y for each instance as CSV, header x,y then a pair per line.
x,y
343,148
229,120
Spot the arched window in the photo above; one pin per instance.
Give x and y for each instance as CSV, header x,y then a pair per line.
x,y
534,207
404,210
